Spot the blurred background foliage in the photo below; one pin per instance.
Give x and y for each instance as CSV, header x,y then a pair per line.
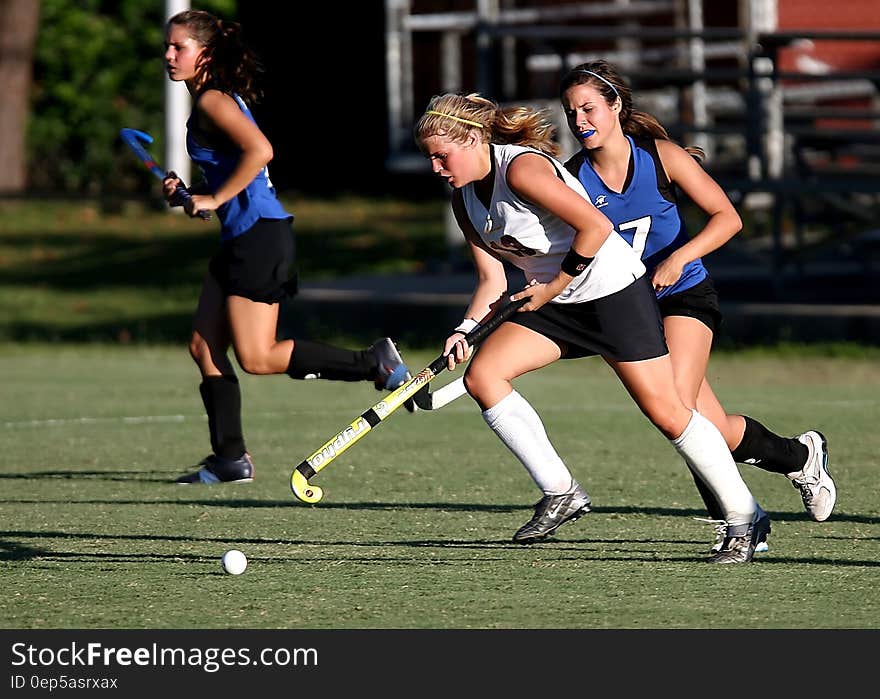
x,y
97,66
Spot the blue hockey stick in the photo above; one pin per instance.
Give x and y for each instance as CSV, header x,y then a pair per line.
x,y
135,139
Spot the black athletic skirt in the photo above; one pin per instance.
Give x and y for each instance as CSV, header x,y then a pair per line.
x,y
625,326
700,302
258,264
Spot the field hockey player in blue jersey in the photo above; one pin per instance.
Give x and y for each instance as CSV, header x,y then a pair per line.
x,y
252,272
631,169
588,295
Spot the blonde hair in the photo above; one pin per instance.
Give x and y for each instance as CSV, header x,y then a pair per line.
x,y
454,116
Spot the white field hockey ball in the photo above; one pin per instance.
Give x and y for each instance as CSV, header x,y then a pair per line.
x,y
234,562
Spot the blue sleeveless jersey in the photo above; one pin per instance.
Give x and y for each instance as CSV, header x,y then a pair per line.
x,y
256,201
646,213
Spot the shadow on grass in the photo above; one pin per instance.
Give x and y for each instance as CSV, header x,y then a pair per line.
x,y
115,476
169,328
238,503
637,549
345,324
172,264
82,261
135,476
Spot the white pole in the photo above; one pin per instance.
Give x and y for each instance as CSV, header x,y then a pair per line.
x,y
395,11
177,106
698,65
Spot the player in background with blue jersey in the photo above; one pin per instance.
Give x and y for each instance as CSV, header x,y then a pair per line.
x,y
631,169
252,271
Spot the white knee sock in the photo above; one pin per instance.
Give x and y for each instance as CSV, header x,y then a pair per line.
x,y
708,455
520,428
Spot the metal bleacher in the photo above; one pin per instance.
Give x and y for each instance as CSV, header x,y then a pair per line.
x,y
797,149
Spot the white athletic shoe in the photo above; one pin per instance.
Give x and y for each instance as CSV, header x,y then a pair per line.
x,y
814,481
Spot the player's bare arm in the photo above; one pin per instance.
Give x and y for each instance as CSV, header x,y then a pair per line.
x,y
221,114
534,178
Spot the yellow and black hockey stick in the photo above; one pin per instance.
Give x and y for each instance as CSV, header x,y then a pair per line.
x,y
367,421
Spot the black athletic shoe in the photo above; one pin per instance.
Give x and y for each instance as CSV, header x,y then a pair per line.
x,y
551,512
216,469
742,539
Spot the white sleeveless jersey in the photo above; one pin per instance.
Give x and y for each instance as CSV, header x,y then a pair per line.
x,y
535,240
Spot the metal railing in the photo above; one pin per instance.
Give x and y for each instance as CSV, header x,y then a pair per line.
x,y
786,141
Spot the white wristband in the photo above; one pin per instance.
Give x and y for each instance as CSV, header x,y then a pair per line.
x,y
467,325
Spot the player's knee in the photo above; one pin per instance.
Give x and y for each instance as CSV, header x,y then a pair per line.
x,y
476,380
670,417
198,349
254,363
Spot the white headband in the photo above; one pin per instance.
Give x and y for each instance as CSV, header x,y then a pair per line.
x,y
596,75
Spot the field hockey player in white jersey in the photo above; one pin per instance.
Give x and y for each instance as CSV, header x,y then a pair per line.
x,y
252,272
589,295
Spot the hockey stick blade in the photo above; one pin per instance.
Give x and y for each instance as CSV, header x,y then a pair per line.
x,y
135,139
372,418
434,400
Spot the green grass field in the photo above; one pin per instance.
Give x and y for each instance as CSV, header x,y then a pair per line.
x,y
414,531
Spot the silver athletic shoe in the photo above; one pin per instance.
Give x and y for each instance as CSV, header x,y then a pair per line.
x,y
391,372
814,481
552,511
720,528
741,540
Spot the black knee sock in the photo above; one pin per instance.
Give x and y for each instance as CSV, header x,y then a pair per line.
x,y
315,360
712,506
222,398
769,451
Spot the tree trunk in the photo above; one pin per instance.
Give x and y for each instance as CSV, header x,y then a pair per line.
x,y
19,20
